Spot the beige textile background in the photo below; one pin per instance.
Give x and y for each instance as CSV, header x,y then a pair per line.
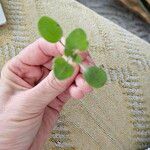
x,y
115,117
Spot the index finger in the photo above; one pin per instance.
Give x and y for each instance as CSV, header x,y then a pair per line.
x,y
39,52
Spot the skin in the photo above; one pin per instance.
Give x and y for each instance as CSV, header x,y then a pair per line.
x,y
31,98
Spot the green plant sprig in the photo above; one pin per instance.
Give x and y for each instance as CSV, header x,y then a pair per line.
x,y
76,42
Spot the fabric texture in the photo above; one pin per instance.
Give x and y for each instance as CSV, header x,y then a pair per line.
x,y
115,117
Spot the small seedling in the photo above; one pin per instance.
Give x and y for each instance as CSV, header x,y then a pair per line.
x,y
76,43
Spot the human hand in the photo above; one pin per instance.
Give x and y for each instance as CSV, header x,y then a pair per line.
x,y
31,97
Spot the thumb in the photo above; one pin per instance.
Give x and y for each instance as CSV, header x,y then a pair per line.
x,y
49,88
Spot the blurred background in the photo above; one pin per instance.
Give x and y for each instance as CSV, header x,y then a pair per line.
x,y
133,15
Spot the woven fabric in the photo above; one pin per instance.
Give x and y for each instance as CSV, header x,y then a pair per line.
x,y
114,117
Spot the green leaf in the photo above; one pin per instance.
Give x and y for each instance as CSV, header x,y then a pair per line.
x,y
49,29
77,59
62,69
95,77
69,52
77,39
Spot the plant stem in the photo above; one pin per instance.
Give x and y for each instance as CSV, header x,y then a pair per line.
x,y
67,59
83,68
62,43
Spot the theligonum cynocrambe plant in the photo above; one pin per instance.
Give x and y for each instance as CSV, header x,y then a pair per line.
x,y
75,43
